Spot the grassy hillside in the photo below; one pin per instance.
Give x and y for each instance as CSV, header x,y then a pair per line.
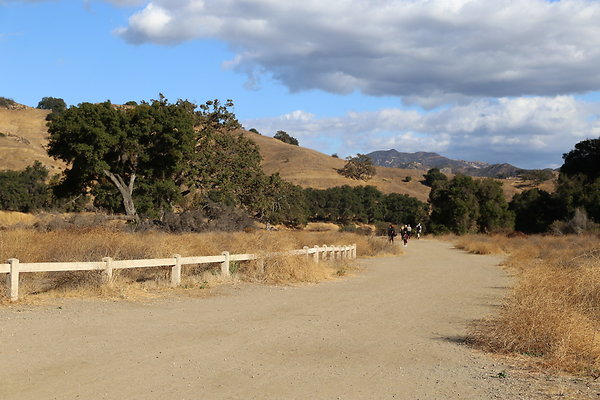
x,y
309,168
23,135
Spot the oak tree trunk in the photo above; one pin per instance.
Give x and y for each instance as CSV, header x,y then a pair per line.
x,y
126,192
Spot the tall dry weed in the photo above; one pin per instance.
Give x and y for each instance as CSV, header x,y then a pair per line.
x,y
93,244
553,313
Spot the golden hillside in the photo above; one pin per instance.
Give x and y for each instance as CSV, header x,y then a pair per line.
x,y
25,135
310,168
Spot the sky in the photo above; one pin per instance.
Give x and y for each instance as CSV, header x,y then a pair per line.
x,y
514,81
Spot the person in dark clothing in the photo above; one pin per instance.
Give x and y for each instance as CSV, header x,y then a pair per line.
x,y
391,232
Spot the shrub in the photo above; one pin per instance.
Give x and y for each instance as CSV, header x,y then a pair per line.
x,y
285,138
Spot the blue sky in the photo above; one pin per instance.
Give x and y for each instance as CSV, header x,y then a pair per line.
x,y
487,80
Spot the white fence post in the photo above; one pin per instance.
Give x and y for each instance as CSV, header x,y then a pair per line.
x,y
354,250
316,255
13,279
176,271
225,265
107,274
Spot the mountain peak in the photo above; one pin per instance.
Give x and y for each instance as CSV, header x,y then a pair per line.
x,y
423,160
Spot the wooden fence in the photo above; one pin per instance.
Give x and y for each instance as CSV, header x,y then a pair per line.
x,y
107,265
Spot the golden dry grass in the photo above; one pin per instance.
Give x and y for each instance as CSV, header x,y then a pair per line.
x,y
553,312
27,135
93,244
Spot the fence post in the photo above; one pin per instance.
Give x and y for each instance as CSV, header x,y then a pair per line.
x,y
316,255
176,271
13,279
354,250
107,274
225,264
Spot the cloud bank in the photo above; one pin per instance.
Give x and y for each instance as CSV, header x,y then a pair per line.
x,y
427,51
503,130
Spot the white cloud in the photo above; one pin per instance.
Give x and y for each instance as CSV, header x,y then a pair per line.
x,y
529,132
431,51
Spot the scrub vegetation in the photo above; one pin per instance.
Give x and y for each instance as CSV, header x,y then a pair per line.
x,y
552,315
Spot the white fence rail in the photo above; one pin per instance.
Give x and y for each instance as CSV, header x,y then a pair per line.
x,y
107,265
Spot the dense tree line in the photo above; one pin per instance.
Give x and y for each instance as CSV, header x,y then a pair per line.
x,y
577,191
366,204
150,159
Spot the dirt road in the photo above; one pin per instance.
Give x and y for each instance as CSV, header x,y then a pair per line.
x,y
391,331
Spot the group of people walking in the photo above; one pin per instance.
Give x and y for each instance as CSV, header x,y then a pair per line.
x,y
406,232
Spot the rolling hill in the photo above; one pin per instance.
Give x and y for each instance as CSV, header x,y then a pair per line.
x,y
25,135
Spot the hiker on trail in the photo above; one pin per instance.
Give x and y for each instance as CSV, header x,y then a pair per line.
x,y
409,230
405,235
391,232
419,229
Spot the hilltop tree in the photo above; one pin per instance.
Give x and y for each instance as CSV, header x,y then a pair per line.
x,y
359,167
285,138
52,103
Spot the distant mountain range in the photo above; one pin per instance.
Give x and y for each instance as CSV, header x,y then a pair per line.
x,y
425,161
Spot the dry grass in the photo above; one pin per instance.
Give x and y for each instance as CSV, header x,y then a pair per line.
x,y
93,244
302,166
553,313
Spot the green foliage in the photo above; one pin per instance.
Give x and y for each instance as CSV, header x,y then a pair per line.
x,y
535,210
366,204
407,179
5,102
579,192
278,202
254,130
463,205
285,138
583,160
579,180
360,168
103,144
404,209
52,103
25,190
434,175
